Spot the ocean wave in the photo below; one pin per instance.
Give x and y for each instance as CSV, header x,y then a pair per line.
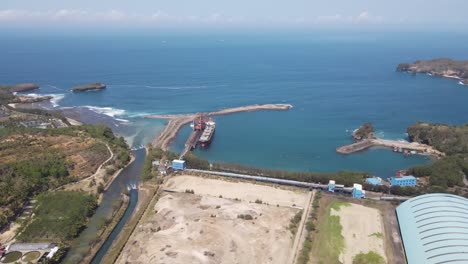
x,y
55,87
137,114
122,120
56,98
176,87
108,111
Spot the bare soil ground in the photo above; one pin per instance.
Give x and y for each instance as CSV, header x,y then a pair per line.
x,y
362,231
205,228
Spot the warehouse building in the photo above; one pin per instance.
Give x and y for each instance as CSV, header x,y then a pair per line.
x,y
434,229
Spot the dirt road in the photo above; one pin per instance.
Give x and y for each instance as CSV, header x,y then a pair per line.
x,y
300,235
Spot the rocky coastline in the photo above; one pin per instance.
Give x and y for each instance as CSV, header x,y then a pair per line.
x,y
447,68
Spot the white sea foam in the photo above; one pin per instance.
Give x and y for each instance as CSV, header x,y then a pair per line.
x,y
108,111
55,97
122,120
461,83
137,147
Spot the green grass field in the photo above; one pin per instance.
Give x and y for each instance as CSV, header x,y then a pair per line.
x,y
369,258
329,242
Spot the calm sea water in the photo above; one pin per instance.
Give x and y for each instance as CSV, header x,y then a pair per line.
x,y
335,81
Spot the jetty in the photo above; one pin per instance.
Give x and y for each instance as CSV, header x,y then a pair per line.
x,y
377,142
176,122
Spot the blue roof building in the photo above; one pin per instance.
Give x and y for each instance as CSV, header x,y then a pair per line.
x,y
178,164
403,181
434,228
374,181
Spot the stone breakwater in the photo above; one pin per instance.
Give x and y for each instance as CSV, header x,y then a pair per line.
x,y
368,143
176,122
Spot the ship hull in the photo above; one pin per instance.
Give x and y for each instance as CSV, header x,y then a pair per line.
x,y
206,143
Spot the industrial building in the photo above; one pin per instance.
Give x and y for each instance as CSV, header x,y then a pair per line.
x,y
434,228
358,192
403,181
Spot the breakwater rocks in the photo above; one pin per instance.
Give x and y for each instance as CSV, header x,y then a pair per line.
x,y
176,122
447,68
89,87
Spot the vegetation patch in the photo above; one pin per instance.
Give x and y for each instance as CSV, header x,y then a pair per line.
x,y
304,255
369,258
452,140
328,242
293,225
377,235
33,161
348,178
336,205
59,217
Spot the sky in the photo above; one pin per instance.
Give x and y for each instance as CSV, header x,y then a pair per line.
x,y
225,14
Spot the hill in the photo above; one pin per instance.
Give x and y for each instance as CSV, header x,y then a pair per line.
x,y
33,161
439,67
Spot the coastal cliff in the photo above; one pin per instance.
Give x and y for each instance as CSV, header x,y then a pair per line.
x,y
439,67
89,87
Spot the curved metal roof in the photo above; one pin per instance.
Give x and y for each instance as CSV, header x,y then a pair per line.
x,y
434,228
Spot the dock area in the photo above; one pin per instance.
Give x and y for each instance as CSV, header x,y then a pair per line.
x,y
410,146
191,143
176,122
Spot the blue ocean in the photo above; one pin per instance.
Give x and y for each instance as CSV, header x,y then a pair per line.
x,y
335,81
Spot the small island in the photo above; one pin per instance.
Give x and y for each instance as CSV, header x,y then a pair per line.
x,y
22,87
89,87
447,68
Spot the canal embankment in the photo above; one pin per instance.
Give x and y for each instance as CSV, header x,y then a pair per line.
x,y
127,179
147,198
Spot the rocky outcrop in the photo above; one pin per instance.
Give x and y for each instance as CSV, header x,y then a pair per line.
x,y
439,67
89,87
366,131
22,87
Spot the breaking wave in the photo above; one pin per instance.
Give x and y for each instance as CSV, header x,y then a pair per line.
x,y
55,98
108,111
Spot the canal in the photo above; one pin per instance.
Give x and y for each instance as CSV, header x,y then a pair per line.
x,y
128,177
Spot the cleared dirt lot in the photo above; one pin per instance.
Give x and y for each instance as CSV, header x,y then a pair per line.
x,y
362,231
204,228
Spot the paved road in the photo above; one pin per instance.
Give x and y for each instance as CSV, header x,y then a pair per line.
x,y
300,234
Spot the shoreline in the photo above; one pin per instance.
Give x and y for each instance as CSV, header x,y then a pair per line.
x,y
176,122
421,149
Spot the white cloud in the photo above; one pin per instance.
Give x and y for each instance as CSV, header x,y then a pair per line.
x,y
114,16
362,18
